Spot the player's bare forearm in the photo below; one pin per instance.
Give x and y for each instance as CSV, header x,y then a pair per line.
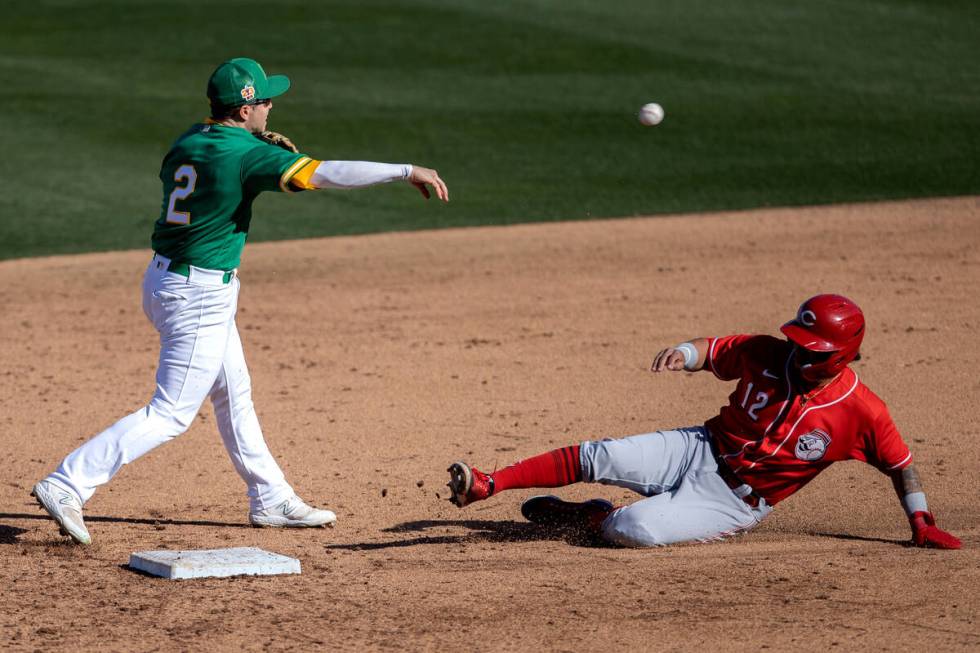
x,y
690,356
906,481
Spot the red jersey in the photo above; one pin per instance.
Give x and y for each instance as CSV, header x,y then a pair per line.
x,y
777,439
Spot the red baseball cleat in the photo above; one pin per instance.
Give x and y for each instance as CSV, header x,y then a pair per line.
x,y
468,484
548,510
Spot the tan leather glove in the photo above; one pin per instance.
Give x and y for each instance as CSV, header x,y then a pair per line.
x,y
277,139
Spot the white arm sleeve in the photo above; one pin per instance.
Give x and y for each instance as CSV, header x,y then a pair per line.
x,y
357,174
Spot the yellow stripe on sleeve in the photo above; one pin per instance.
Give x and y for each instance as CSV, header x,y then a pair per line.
x,y
301,179
291,172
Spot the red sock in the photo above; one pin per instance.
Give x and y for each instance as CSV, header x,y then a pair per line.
x,y
553,469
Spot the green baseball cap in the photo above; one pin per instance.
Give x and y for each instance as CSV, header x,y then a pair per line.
x,y
241,81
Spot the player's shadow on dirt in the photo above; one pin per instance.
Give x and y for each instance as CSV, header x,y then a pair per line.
x,y
481,531
112,520
860,538
8,534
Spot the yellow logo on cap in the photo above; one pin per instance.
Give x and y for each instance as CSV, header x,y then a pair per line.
x,y
248,93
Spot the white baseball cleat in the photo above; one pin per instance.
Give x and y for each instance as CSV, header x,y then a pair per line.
x,y
292,513
65,508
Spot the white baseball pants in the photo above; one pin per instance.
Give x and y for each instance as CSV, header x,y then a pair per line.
x,y
200,356
688,500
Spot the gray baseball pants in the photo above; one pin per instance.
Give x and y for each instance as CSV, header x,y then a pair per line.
x,y
676,470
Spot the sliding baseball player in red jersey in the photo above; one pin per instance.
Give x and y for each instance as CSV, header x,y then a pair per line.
x,y
797,409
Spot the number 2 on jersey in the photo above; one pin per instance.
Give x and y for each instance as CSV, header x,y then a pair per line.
x,y
187,174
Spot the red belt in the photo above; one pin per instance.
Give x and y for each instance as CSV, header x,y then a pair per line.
x,y
734,482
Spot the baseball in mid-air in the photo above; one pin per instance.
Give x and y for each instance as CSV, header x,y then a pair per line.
x,y
651,114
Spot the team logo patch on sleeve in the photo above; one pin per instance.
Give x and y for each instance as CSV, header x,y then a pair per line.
x,y
248,93
812,445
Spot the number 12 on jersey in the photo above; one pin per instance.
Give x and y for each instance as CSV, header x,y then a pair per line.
x,y
761,399
187,174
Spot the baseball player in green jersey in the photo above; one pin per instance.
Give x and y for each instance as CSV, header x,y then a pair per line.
x,y
211,176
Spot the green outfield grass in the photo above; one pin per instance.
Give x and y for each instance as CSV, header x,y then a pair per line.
x,y
526,108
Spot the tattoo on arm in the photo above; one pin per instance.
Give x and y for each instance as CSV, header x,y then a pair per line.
x,y
906,481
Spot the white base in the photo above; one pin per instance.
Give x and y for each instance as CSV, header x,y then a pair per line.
x,y
213,563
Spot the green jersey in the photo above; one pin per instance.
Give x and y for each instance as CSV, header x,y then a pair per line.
x,y
211,176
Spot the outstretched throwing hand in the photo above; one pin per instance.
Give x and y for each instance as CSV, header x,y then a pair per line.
x,y
422,178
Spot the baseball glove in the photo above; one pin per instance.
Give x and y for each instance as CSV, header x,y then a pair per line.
x,y
277,139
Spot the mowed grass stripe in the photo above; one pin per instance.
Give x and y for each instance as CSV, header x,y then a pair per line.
x,y
527,108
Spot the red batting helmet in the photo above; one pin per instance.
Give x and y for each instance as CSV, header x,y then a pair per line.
x,y
831,325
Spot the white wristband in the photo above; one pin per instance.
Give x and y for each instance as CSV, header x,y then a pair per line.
x,y
914,502
690,355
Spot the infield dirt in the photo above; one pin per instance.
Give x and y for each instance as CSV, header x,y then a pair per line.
x,y
378,360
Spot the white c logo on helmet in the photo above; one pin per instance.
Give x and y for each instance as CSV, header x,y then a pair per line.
x,y
807,318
